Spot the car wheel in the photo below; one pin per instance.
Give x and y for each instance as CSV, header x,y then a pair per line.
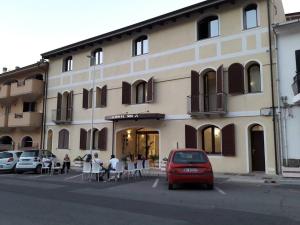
x,y
210,186
170,186
38,169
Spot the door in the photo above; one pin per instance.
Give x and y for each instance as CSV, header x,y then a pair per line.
x,y
257,148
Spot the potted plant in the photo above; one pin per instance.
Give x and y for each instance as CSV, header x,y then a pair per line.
x,y
78,161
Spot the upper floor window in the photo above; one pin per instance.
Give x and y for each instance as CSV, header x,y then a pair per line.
x,y
97,58
250,16
208,27
141,46
141,92
254,79
29,106
87,98
68,64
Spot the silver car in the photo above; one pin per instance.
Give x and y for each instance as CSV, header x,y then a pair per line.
x,y
8,160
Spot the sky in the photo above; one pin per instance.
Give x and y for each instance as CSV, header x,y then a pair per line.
x,y
31,27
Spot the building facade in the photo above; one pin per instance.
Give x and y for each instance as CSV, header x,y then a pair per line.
x,y
288,35
22,106
197,77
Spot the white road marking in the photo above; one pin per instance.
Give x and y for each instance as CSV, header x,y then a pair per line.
x,y
37,176
220,191
70,178
155,183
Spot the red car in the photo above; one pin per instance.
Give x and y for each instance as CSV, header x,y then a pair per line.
x,y
189,166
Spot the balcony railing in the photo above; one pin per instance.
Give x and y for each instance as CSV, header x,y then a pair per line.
x,y
29,89
62,116
25,119
214,104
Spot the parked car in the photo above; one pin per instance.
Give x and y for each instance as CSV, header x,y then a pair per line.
x,y
8,160
189,166
32,160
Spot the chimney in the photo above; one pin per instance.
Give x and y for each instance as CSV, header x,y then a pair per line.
x,y
17,67
4,69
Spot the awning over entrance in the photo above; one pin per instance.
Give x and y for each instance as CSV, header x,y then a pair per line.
x,y
138,116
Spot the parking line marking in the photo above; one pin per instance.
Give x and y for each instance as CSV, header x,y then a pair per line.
x,y
155,183
220,191
70,178
37,176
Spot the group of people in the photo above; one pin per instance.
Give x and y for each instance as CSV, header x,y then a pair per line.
x,y
112,163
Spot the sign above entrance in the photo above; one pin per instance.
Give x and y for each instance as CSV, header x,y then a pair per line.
x,y
139,116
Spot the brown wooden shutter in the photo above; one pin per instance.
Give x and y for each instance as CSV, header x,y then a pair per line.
x,y
103,96
236,79
228,140
58,106
102,139
60,139
195,106
150,90
85,98
126,93
190,137
220,89
66,139
70,106
83,138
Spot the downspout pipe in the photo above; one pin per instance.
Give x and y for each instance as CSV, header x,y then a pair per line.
x,y
44,115
272,85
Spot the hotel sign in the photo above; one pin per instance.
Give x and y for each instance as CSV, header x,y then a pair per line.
x,y
138,116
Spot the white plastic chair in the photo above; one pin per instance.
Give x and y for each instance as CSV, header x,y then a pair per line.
x,y
45,167
139,166
86,169
119,170
130,169
96,169
56,167
147,166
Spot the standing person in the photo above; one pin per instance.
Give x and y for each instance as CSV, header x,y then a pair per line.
x,y
66,163
112,164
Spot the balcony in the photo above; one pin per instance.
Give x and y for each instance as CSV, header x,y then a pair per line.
x,y
207,105
62,116
3,121
296,89
4,93
29,90
25,120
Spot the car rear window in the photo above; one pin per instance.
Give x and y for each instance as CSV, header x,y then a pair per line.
x,y
18,154
30,154
4,155
189,157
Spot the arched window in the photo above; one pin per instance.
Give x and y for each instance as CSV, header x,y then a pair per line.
x,y
68,64
250,16
27,142
208,27
141,46
254,78
211,140
141,92
97,58
63,139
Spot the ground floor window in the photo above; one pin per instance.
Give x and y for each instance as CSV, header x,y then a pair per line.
x,y
27,142
211,140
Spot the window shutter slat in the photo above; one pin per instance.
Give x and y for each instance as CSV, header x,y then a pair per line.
x,y
102,139
220,88
70,106
195,106
58,106
126,93
236,79
228,140
190,137
85,99
150,90
83,138
103,96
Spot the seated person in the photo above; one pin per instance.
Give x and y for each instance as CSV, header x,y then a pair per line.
x,y
112,164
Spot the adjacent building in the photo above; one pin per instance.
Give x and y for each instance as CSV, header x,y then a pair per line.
x,y
288,36
198,77
21,106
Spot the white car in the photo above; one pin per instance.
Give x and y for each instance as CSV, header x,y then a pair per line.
x,y
32,160
8,160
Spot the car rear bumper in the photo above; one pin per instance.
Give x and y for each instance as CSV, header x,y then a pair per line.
x,y
8,166
191,178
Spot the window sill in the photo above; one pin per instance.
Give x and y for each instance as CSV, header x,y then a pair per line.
x,y
252,28
140,55
255,93
208,38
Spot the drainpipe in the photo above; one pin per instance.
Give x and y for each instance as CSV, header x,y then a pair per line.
x,y
44,115
272,87
279,111
113,138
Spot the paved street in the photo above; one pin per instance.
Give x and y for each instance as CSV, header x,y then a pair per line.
x,y
30,199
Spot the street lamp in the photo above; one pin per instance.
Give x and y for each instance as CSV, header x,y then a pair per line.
x,y
93,60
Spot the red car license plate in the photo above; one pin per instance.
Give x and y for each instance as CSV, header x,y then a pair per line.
x,y
191,170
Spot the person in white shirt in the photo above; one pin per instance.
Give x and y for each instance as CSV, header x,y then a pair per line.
x,y
97,160
112,164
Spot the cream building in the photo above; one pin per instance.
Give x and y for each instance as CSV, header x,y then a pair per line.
x,y
22,106
197,77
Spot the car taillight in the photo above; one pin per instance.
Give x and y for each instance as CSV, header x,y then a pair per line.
x,y
11,159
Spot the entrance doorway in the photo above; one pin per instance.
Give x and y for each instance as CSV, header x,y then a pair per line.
x,y
257,148
133,143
